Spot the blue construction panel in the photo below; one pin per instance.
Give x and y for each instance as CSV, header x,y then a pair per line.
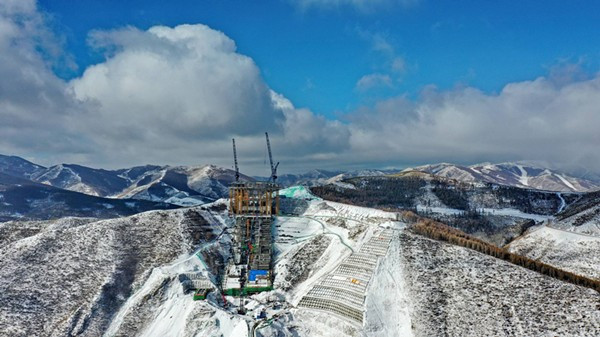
x,y
256,272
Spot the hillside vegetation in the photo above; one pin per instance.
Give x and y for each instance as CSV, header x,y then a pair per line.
x,y
441,232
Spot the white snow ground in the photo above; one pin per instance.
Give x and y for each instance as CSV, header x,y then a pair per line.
x,y
492,211
584,222
456,291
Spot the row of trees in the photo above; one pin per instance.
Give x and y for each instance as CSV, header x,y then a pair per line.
x,y
438,231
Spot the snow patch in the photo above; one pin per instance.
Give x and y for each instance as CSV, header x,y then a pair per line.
x,y
566,182
523,178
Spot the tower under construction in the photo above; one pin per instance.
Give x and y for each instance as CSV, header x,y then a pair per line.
x,y
253,205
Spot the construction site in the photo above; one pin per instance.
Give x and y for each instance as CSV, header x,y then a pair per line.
x,y
253,206
299,240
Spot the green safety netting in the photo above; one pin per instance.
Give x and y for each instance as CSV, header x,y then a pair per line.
x,y
299,192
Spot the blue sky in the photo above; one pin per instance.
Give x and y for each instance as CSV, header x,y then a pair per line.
x,y
338,84
316,55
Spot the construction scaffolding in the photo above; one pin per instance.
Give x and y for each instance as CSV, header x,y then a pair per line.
x,y
254,199
253,205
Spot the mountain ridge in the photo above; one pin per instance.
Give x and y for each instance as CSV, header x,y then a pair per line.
x,y
511,174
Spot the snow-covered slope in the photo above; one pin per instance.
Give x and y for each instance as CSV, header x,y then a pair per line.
x,y
512,174
182,185
81,179
120,278
582,216
456,291
585,222
18,167
323,177
24,199
71,278
577,253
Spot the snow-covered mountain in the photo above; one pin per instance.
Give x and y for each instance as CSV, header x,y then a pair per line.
x,y
25,199
322,177
310,178
179,185
71,277
82,179
18,167
512,174
582,216
368,274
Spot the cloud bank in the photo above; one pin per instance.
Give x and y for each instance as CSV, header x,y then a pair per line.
x,y
177,95
531,120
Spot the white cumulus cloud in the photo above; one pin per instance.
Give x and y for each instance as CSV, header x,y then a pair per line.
x,y
530,120
172,95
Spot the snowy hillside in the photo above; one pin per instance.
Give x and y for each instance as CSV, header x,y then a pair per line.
x,y
81,179
577,253
323,177
581,216
70,278
24,199
340,270
18,167
512,174
455,291
181,185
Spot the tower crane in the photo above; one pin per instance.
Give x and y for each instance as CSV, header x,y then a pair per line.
x,y
237,170
273,168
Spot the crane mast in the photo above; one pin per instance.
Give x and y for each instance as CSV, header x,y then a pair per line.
x,y
273,168
237,170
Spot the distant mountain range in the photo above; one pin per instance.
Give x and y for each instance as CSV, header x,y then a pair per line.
x,y
512,174
178,185
24,199
323,177
155,186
